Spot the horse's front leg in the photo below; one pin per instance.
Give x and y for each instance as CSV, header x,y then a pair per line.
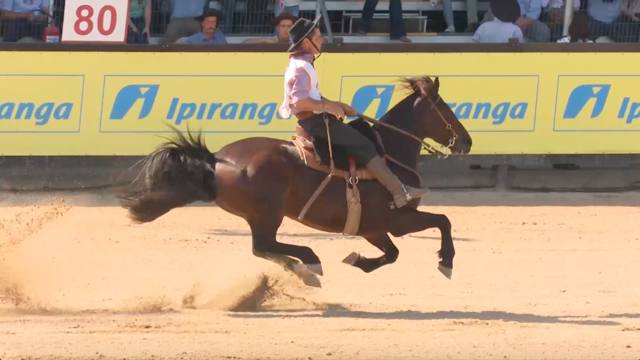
x,y
382,242
265,245
409,221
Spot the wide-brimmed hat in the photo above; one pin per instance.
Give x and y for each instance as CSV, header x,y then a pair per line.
x,y
300,30
505,10
210,13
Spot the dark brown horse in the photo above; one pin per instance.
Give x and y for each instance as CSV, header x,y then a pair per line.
x,y
263,180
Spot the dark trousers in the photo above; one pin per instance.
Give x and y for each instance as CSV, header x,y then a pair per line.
x,y
396,24
14,30
343,135
137,37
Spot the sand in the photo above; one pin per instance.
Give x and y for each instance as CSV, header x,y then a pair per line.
x,y
544,276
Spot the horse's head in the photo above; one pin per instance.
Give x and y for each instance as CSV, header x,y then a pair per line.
x,y
434,117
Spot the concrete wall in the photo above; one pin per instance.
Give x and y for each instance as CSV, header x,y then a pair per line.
x,y
518,173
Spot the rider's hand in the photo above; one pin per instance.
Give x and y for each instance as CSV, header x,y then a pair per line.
x,y
334,108
349,110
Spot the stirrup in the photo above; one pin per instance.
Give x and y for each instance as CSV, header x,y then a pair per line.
x,y
419,192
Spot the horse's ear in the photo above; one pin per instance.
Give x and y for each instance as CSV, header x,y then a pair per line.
x,y
436,84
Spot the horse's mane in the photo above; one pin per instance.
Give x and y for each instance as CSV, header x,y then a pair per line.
x,y
420,85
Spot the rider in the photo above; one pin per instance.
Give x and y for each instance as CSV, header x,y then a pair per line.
x,y
302,98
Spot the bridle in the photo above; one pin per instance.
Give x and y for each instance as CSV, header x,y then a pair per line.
x,y
431,149
454,135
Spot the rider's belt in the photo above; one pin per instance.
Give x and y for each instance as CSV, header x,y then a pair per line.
x,y
305,114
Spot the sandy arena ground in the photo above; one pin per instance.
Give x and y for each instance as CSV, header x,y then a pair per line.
x,y
544,276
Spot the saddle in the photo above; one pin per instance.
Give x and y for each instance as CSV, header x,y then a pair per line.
x,y
315,153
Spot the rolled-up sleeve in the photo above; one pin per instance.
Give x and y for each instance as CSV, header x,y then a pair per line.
x,y
300,85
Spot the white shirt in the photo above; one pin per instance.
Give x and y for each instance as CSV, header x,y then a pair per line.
x,y
24,6
300,82
556,4
496,31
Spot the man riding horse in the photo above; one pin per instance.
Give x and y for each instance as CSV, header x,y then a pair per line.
x,y
302,98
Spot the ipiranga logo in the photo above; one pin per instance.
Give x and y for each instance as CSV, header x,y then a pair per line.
x,y
212,103
504,104
129,96
598,103
40,103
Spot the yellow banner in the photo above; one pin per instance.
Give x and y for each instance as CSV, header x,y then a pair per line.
x,y
75,103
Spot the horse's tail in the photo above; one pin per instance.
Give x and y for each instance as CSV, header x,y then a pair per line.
x,y
179,172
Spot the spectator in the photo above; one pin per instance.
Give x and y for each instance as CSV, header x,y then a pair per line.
x,y
139,21
282,23
553,14
23,19
472,15
287,6
533,29
397,30
447,11
209,34
554,10
183,22
502,29
606,20
631,9
579,30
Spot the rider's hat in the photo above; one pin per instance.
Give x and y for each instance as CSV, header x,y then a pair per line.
x,y
505,10
300,30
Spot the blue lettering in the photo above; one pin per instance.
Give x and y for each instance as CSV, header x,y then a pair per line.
x,y
25,107
251,108
43,113
266,113
623,108
463,111
185,113
6,110
499,113
634,112
172,108
229,111
485,108
63,111
519,111
201,111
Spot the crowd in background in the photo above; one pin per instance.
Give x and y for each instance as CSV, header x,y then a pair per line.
x,y
195,22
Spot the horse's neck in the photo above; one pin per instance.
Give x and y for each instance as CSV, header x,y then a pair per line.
x,y
397,145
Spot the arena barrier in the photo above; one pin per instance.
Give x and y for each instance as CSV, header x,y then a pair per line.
x,y
122,103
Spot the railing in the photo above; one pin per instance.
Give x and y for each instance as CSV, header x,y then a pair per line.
x,y
254,17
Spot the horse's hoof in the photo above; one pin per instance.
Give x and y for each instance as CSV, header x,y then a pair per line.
x,y
305,274
351,259
446,271
315,268
312,280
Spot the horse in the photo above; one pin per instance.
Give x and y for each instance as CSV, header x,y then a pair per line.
x,y
263,180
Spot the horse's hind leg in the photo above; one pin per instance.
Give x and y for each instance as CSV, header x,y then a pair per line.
x,y
382,242
411,221
266,246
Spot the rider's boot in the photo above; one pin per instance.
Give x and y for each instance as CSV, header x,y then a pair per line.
x,y
401,193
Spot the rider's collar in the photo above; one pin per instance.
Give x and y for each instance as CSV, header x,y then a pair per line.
x,y
303,55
